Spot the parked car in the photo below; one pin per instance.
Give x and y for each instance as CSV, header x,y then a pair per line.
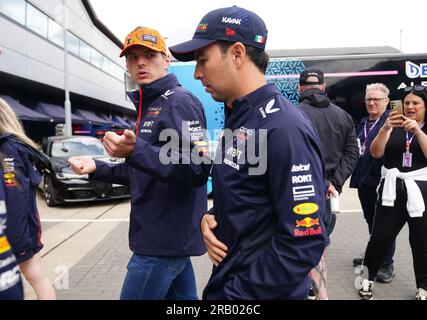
x,y
61,185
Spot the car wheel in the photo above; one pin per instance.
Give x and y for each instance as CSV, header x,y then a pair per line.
x,y
48,192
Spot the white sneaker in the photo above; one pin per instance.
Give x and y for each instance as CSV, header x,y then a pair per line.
x,y
421,294
365,293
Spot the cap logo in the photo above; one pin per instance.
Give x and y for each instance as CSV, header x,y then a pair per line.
x,y
231,20
259,39
149,38
203,27
230,32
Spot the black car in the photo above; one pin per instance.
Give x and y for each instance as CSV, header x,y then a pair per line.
x,y
62,185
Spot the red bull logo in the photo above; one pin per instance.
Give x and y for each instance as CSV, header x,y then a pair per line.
x,y
308,232
10,182
308,223
306,209
203,151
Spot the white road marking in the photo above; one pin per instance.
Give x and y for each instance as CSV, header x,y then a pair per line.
x,y
352,211
83,220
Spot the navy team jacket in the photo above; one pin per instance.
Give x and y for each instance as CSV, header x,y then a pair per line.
x,y
10,277
21,178
167,200
271,223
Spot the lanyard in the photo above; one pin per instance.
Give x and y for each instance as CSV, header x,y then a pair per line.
x,y
365,129
409,141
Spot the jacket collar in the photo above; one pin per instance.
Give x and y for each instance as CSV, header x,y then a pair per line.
x,y
4,136
253,99
256,97
155,89
315,97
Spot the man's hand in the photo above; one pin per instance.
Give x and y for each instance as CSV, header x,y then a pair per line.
x,y
331,191
216,249
82,164
120,146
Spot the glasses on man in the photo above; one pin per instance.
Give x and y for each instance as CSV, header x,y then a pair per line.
x,y
417,87
375,100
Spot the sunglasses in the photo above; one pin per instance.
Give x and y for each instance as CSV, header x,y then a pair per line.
x,y
417,87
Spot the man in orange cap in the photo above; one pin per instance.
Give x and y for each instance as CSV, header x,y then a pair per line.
x,y
167,198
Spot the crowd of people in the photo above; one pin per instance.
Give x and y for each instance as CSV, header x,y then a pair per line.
x,y
271,220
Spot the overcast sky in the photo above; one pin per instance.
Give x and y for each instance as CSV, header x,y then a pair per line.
x,y
292,24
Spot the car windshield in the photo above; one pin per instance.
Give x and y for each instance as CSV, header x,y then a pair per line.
x,y
78,147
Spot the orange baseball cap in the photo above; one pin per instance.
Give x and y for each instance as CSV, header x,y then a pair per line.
x,y
146,37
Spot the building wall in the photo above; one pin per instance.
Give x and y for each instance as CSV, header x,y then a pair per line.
x,y
26,54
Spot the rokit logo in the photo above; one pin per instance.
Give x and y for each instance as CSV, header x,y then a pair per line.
x,y
302,179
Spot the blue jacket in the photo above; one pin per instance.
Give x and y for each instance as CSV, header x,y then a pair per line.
x,y
368,169
10,277
23,227
271,223
167,200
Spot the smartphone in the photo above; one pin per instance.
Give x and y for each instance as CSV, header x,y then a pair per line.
x,y
396,105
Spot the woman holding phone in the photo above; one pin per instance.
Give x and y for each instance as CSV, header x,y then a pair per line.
x,y
402,143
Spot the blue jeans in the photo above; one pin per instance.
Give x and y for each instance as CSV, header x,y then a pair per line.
x,y
159,278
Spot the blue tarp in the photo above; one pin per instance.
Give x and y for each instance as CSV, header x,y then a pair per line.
x,y
106,118
119,122
132,123
92,117
23,112
57,113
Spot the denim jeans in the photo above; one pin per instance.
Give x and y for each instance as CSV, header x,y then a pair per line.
x,y
159,278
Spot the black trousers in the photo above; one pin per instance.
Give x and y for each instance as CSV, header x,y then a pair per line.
x,y
388,222
368,199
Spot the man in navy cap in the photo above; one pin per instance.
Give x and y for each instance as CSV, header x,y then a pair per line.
x,y
265,232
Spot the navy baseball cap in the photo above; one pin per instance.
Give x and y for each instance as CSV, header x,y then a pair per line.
x,y
233,24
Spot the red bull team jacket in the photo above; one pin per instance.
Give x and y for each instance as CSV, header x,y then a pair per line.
x,y
271,221
21,178
167,200
10,277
